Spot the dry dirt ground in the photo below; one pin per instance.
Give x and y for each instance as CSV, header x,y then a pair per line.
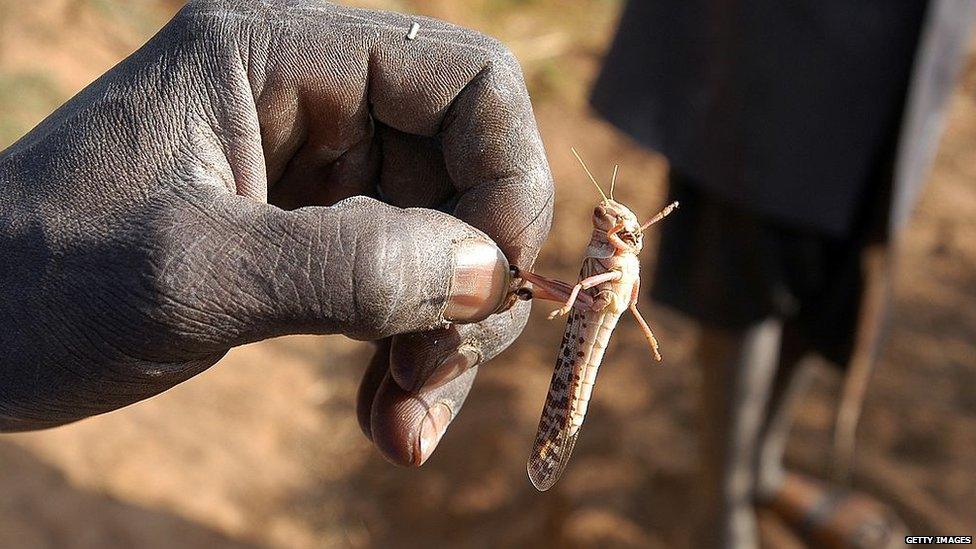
x,y
264,450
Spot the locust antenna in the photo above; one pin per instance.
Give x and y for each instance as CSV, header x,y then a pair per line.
x,y
587,170
613,180
661,215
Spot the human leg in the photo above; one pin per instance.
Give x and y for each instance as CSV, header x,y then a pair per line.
x,y
738,371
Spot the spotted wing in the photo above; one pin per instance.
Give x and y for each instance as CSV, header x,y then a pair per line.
x,y
556,438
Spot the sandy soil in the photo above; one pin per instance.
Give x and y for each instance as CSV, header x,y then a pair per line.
x,y
264,448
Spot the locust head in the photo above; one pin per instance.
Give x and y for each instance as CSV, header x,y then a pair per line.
x,y
623,229
613,217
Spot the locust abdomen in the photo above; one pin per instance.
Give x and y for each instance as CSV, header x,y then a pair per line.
x,y
597,328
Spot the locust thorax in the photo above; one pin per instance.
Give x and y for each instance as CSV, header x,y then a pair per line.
x,y
610,214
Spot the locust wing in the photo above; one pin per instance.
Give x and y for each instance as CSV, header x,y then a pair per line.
x,y
557,436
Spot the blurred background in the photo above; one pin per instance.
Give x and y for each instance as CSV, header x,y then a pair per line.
x,y
264,448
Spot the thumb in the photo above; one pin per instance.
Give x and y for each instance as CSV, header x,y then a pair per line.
x,y
360,268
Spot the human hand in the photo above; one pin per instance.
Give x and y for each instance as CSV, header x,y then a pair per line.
x,y
197,197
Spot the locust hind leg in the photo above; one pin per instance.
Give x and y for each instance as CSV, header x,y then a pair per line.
x,y
543,287
584,284
561,292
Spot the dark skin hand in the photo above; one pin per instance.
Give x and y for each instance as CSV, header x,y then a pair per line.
x,y
269,168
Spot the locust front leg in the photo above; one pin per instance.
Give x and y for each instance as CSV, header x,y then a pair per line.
x,y
648,334
616,241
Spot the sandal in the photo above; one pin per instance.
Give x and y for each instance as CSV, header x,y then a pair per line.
x,y
826,517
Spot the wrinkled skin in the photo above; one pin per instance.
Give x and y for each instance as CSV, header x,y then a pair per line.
x,y
197,197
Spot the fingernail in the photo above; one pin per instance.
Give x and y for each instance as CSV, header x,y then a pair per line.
x,y
432,428
480,281
451,367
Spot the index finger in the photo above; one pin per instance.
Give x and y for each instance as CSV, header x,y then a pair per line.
x,y
468,90
350,67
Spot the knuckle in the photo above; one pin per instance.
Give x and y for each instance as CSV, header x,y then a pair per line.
x,y
490,51
205,17
215,5
499,55
399,273
372,258
376,293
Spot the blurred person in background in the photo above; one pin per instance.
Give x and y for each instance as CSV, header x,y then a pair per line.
x,y
799,135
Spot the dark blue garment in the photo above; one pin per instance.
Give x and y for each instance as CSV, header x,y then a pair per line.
x,y
799,134
781,108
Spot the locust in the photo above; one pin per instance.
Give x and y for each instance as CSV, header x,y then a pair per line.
x,y
608,286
